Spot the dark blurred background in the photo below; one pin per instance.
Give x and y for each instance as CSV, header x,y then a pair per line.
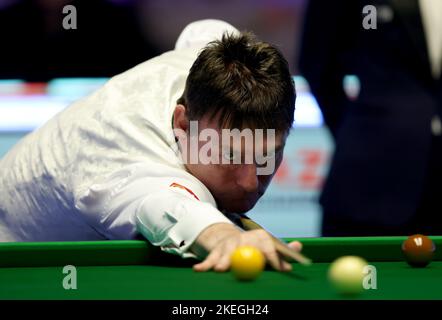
x,y
114,35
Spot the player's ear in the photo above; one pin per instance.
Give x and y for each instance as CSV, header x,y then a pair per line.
x,y
180,120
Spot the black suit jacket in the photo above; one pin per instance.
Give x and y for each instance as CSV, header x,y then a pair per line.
x,y
383,138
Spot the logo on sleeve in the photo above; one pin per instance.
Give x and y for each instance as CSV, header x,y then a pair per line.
x,y
177,185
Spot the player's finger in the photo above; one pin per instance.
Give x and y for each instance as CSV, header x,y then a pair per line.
x,y
285,266
296,245
269,250
223,263
274,260
209,262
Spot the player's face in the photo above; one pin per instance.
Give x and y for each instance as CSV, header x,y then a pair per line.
x,y
237,186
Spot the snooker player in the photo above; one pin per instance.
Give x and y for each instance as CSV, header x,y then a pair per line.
x,y
112,166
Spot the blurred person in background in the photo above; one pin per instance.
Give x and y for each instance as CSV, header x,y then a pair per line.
x,y
385,175
36,47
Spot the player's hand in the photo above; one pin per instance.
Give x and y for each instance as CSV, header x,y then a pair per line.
x,y
220,240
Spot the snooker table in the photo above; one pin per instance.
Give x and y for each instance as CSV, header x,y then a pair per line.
x,y
135,270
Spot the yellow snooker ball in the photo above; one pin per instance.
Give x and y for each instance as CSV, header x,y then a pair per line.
x,y
346,274
247,263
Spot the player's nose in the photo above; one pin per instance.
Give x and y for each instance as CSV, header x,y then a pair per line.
x,y
247,178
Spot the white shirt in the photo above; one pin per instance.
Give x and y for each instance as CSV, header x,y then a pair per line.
x,y
106,166
431,12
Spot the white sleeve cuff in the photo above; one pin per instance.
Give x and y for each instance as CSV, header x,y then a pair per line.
x,y
182,219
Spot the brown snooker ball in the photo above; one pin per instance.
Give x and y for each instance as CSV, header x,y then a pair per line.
x,y
418,250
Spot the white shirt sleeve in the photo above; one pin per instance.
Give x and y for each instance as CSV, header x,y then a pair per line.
x,y
173,220
169,211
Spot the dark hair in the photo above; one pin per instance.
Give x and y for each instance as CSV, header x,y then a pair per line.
x,y
245,81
